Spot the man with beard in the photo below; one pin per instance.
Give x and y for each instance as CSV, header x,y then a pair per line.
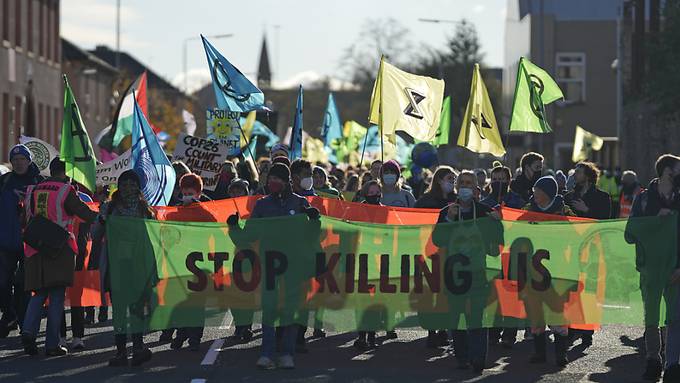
x,y
532,167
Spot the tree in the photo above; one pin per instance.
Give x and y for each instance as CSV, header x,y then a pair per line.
x,y
664,78
388,37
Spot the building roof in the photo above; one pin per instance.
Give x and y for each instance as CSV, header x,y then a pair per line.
x,y
72,52
134,67
264,73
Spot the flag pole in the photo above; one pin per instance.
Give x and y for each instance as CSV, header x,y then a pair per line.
x,y
361,163
243,134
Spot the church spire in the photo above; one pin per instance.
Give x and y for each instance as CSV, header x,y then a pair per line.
x,y
264,73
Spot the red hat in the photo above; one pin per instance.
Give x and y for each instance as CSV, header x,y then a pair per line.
x,y
391,165
191,181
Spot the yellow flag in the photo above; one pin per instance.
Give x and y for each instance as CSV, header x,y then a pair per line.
x,y
584,144
479,132
248,127
405,102
313,150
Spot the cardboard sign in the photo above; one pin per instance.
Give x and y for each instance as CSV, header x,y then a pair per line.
x,y
224,126
108,172
203,156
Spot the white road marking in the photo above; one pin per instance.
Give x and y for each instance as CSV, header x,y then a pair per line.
x,y
198,380
211,355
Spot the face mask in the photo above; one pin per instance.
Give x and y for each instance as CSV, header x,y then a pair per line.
x,y
499,189
373,199
447,187
465,194
274,187
390,179
189,198
306,183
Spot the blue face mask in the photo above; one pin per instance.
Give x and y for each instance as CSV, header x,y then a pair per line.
x,y
465,194
390,179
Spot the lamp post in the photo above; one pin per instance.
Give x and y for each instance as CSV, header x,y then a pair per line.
x,y
184,54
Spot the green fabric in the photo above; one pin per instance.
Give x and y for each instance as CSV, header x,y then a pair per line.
x,y
442,136
534,89
482,273
76,148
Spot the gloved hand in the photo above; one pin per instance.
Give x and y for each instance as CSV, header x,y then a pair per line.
x,y
233,220
312,213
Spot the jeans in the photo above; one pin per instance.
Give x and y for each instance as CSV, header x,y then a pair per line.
x,y
55,311
288,340
77,322
673,334
471,345
13,298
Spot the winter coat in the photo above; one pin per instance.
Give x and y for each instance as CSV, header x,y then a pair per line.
x,y
12,186
599,203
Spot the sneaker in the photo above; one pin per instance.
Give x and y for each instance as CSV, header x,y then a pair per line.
x,y
141,356
672,374
265,363
653,370
57,351
286,362
120,360
246,336
77,344
318,333
28,342
63,343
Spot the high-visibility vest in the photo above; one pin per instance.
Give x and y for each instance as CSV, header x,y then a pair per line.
x,y
47,199
626,206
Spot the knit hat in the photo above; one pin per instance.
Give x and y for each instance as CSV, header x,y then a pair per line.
x,y
391,165
239,183
22,150
279,147
129,175
280,171
191,181
281,160
548,185
560,177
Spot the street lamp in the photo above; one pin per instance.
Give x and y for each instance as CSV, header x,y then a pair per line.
x,y
186,43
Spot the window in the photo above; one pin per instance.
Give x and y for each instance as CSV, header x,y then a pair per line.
x,y
571,76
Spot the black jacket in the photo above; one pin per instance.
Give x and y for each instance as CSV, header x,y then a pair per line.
x,y
429,201
523,187
599,203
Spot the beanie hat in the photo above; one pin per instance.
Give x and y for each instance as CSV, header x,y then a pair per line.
x,y
560,177
281,171
191,181
548,185
22,150
129,175
281,160
279,147
391,165
239,183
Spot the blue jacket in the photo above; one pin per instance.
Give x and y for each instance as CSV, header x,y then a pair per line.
x,y
277,206
12,186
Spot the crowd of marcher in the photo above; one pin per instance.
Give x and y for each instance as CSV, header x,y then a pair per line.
x,y
35,270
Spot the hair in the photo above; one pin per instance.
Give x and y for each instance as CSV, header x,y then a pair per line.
x,y
439,174
191,181
376,162
367,185
246,170
591,171
528,159
298,165
352,183
466,173
629,173
503,169
665,161
57,167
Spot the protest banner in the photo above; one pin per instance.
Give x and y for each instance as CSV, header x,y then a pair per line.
x,y
108,172
203,156
224,126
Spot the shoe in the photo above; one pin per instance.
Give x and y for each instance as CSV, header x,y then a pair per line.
x,y
121,359
561,346
265,363
246,336
391,335
89,315
360,344
539,349
177,343
318,333
57,351
77,344
286,362
63,343
672,374
141,356
30,347
653,370
587,339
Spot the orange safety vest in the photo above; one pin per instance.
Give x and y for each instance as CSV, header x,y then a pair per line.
x,y
626,205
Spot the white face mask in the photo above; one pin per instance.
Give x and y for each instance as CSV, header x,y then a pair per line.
x,y
447,187
390,179
465,194
187,199
306,183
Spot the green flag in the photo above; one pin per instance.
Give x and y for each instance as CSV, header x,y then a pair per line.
x,y
76,148
442,136
533,91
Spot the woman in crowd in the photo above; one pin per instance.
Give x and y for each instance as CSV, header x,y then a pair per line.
x,y
393,192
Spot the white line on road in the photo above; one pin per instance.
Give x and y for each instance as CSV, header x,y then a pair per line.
x,y
226,321
198,380
211,355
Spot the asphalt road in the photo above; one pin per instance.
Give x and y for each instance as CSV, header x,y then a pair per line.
x,y
615,356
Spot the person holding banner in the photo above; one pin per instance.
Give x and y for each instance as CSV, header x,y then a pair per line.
x,y
280,202
393,192
127,201
13,186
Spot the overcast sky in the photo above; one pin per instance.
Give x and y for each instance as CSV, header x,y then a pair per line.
x,y
306,37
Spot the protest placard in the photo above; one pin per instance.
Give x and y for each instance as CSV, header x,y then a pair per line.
x,y
203,156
